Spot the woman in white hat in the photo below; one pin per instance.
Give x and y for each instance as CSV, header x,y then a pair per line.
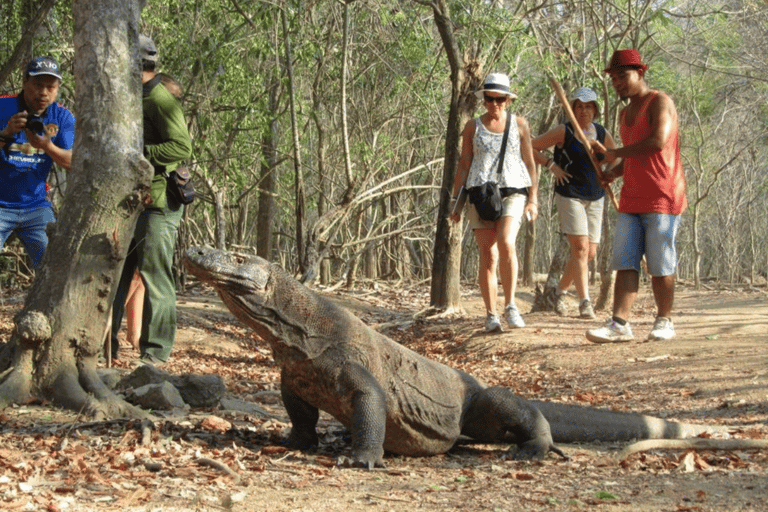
x,y
578,194
480,151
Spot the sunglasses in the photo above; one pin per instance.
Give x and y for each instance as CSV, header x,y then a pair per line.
x,y
496,99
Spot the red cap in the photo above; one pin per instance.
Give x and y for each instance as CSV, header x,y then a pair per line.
x,y
626,58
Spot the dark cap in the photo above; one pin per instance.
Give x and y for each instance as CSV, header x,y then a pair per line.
x,y
626,58
147,49
43,66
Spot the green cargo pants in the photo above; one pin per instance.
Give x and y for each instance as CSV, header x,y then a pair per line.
x,y
151,251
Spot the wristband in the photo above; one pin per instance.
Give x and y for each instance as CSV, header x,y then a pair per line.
x,y
550,163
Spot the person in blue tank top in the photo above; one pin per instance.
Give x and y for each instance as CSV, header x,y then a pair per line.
x,y
36,133
578,194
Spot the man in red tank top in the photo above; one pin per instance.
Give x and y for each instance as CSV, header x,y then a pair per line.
x,y
652,199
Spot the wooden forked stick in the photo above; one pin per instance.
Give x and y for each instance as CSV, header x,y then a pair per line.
x,y
581,136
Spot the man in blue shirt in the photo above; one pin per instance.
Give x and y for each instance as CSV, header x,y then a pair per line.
x,y
36,133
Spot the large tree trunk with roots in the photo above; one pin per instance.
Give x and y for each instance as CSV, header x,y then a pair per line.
x,y
61,329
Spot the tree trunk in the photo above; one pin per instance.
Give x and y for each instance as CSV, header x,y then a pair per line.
x,y
604,264
446,265
266,215
61,330
529,250
301,207
545,295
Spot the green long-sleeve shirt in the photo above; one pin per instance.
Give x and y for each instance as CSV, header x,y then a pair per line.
x,y
166,138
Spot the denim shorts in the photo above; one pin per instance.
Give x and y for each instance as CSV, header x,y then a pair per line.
x,y
649,234
580,217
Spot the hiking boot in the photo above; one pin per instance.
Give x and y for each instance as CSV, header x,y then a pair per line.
x,y
492,323
150,360
560,308
512,316
663,329
611,332
585,309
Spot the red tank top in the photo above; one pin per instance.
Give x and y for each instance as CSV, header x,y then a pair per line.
x,y
653,183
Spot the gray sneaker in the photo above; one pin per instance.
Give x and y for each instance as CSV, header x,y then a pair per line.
x,y
492,323
586,310
512,316
611,332
663,329
560,308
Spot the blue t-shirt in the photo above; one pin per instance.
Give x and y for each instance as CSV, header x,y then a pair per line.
x,y
23,169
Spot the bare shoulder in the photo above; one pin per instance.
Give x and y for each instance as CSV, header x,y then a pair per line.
x,y
469,128
662,102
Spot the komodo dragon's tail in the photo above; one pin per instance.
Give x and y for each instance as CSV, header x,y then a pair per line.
x,y
573,423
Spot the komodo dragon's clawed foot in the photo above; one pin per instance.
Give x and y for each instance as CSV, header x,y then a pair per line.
x,y
535,450
355,462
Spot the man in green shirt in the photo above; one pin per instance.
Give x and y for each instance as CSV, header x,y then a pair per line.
x,y
166,144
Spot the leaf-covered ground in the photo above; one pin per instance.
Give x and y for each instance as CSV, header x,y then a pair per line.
x,y
232,458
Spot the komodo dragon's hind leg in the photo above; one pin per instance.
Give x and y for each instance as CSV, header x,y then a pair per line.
x,y
497,415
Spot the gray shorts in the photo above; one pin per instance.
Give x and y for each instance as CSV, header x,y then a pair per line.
x,y
581,217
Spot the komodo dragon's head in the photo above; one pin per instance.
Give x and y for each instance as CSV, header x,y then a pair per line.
x,y
263,296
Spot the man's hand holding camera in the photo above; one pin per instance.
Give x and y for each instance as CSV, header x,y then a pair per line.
x,y
35,130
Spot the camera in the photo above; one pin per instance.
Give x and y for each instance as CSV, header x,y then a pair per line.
x,y
35,123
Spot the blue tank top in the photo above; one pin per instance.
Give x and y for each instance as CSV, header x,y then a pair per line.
x,y
574,160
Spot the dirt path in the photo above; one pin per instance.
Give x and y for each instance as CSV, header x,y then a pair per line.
x,y
715,371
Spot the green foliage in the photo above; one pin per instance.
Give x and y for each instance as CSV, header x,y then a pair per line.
x,y
231,63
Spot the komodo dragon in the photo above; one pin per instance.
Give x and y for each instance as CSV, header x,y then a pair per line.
x,y
389,397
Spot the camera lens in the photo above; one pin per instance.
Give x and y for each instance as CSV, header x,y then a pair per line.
x,y
35,124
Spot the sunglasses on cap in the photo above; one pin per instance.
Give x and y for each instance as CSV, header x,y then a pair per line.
x,y
496,99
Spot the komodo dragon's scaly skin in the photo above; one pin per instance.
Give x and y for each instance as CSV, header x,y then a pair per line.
x,y
389,397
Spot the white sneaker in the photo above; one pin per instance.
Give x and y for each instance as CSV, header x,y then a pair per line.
x,y
663,329
586,310
512,316
611,332
492,323
560,307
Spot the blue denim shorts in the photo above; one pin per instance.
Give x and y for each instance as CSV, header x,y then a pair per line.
x,y
649,234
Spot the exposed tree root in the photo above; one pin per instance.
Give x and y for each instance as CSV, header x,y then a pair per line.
x,y
692,444
433,312
15,388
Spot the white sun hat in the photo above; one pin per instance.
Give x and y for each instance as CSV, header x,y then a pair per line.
x,y
495,82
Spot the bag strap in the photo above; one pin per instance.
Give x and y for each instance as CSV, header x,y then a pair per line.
x,y
147,87
504,144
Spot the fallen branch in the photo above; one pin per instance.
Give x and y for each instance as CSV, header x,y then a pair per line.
x,y
219,466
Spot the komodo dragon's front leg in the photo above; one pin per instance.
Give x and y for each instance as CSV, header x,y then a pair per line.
x,y
369,416
497,415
